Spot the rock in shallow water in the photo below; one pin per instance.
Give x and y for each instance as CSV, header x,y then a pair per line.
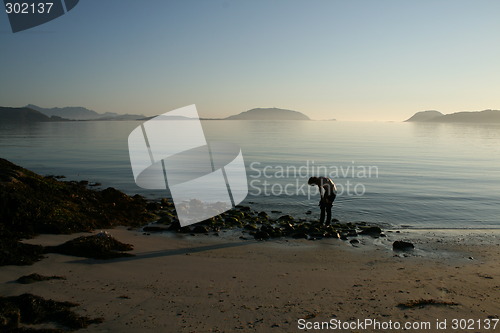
x,y
372,231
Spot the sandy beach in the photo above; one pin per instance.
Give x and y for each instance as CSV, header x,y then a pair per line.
x,y
185,283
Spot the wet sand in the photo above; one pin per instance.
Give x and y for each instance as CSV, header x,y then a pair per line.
x,y
224,284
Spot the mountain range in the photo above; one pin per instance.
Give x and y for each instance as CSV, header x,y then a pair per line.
x,y
81,113
33,113
24,115
485,116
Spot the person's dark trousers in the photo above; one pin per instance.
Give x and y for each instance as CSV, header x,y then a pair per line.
x,y
325,209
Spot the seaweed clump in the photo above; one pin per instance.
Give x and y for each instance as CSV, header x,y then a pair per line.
x,y
420,303
32,278
33,310
13,252
99,246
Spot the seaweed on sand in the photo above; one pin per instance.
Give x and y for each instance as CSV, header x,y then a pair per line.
x,y
32,278
420,303
31,309
99,246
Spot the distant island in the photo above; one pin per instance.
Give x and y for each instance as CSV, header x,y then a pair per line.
x,y
81,113
269,114
253,114
25,116
486,116
32,114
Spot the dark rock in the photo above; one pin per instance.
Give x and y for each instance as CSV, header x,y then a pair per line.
x,y
152,206
266,228
235,214
55,176
261,235
286,218
287,227
276,232
32,278
100,246
352,233
308,212
167,203
165,219
332,235
315,229
402,246
200,229
232,221
175,226
276,211
263,215
299,235
243,208
154,229
372,231
315,236
354,241
185,230
252,227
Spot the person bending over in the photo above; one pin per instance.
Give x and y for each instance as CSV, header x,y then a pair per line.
x,y
328,192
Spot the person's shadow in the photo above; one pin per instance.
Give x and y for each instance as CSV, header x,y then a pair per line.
x,y
164,253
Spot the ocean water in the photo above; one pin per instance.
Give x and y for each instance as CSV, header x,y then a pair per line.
x,y
399,174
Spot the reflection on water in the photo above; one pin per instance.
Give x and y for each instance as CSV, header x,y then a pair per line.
x,y
428,174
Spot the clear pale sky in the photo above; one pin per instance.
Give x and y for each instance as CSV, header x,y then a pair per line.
x,y
350,60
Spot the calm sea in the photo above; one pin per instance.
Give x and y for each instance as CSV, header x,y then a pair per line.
x,y
401,174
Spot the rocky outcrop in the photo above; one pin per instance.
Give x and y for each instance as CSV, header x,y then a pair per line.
x,y
31,204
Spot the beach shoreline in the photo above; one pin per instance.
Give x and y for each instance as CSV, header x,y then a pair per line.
x,y
185,283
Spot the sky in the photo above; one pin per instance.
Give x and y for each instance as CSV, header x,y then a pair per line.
x,y
373,60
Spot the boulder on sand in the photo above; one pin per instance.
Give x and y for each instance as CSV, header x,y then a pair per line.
x,y
402,246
